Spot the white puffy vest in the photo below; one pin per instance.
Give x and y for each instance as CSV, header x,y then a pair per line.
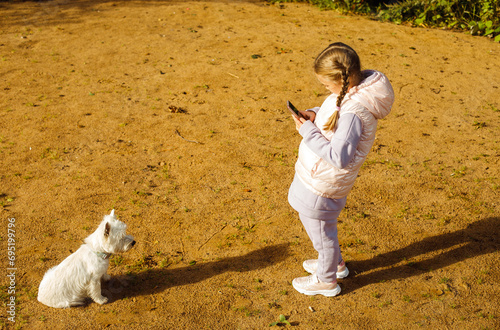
x,y
370,100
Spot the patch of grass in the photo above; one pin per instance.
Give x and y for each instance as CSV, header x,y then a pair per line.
x,y
485,271
165,263
281,321
116,260
274,304
6,202
478,124
51,154
31,293
429,216
386,303
142,193
247,311
143,263
443,221
402,212
458,173
3,293
444,280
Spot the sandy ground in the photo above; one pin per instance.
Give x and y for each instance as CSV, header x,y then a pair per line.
x,y
173,114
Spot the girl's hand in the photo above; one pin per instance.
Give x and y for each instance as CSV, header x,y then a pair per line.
x,y
308,115
298,121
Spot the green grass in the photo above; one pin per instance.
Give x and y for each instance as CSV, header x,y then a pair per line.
x,y
479,17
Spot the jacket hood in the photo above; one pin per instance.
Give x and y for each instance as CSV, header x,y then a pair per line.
x,y
375,93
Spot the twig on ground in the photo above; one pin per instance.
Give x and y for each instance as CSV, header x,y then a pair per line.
x,y
176,131
212,236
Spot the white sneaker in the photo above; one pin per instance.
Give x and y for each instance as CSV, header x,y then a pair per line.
x,y
311,285
311,266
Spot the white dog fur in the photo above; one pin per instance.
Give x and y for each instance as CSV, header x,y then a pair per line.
x,y
79,275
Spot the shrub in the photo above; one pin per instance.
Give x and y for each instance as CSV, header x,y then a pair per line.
x,y
480,17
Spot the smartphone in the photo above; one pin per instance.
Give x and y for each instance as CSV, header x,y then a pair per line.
x,y
293,109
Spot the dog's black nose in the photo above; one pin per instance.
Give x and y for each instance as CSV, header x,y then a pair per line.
x,y
133,243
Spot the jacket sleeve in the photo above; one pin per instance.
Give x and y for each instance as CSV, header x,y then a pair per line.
x,y
341,149
315,109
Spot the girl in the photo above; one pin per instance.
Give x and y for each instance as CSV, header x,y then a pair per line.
x,y
336,140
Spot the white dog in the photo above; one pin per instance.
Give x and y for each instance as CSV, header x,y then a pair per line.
x,y
79,275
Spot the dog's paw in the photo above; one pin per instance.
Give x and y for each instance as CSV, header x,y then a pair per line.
x,y
106,277
101,300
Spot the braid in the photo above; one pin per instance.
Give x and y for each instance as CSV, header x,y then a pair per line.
x,y
345,87
334,118
338,63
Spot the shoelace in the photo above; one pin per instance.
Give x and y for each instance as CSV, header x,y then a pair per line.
x,y
313,279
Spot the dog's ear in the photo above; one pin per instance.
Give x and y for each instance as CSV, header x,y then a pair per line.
x,y
112,213
106,230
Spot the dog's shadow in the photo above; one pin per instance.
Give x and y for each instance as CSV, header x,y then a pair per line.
x,y
159,279
480,237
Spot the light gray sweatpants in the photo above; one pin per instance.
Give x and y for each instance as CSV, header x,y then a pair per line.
x,y
323,234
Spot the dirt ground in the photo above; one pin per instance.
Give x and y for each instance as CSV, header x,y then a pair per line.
x,y
173,114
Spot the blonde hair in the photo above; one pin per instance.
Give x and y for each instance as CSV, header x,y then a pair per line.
x,y
340,64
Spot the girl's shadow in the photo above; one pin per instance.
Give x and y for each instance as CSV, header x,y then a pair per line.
x,y
480,237
157,280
